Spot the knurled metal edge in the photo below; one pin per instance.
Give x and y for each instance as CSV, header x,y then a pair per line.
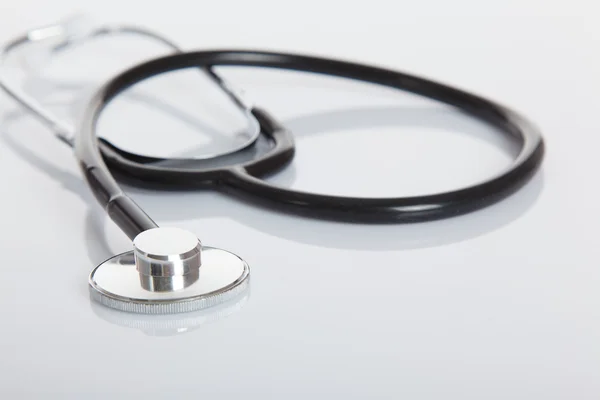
x,y
187,321
171,307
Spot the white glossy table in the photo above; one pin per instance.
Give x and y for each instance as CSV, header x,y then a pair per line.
x,y
498,304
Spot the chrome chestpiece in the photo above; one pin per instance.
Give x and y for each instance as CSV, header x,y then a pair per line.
x,y
168,272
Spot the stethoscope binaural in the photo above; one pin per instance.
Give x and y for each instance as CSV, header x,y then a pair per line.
x,y
169,271
71,33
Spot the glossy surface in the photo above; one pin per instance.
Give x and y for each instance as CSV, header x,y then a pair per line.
x,y
163,325
498,304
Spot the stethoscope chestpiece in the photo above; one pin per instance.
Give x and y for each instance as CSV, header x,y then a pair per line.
x,y
168,272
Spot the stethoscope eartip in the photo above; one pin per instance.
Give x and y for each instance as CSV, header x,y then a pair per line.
x,y
168,272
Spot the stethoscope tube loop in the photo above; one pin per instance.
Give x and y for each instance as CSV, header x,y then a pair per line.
x,y
243,178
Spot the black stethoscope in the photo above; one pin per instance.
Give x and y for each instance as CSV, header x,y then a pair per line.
x,y
169,271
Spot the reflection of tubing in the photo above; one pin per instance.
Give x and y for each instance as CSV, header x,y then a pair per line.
x,y
70,35
171,324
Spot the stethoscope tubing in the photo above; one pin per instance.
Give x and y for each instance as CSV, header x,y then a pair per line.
x,y
99,159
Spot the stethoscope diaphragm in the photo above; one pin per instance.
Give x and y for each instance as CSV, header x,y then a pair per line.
x,y
168,272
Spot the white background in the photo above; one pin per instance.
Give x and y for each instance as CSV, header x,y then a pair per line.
x,y
499,304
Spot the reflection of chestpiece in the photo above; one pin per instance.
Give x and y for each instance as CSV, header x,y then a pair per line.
x,y
171,324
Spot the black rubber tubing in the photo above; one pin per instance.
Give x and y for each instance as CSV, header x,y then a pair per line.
x,y
243,179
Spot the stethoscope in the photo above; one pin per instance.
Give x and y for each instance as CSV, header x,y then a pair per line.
x,y
169,270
